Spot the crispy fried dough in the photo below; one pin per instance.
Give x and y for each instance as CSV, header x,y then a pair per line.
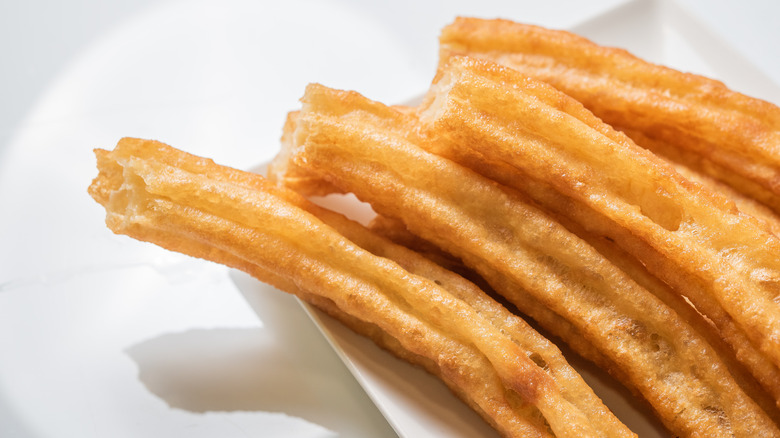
x,y
744,203
724,134
556,205
281,167
529,258
396,231
517,380
723,261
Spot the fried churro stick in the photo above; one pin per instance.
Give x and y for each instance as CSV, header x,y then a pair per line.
x,y
633,268
628,264
744,203
396,231
411,306
282,167
714,130
723,261
529,258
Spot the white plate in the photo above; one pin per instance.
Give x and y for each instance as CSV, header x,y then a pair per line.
x,y
418,405
104,336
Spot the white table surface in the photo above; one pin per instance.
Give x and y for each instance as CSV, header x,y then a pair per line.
x,y
102,336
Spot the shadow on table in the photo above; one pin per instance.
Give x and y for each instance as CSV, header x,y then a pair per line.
x,y
282,366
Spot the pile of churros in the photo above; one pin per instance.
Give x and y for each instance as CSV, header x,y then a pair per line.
x,y
628,209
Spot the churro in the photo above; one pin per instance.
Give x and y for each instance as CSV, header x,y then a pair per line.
x,y
721,260
546,271
714,130
517,380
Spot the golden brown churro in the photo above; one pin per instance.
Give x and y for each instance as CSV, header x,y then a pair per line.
x,y
363,147
614,188
517,380
745,204
650,246
712,129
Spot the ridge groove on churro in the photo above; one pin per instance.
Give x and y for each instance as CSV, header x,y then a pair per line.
x,y
710,128
631,210
414,308
524,254
723,261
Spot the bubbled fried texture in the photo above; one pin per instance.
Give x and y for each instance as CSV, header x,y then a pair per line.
x,y
155,193
530,258
721,260
715,130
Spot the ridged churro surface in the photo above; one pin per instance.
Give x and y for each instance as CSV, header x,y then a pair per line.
x,y
713,129
723,261
517,380
540,266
